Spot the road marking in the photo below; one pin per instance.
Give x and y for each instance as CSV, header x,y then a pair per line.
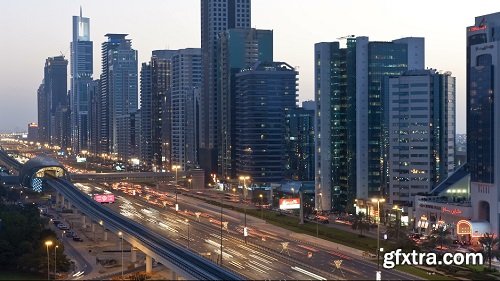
x,y
310,274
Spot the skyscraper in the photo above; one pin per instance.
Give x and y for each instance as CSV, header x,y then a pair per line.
x,y
349,123
43,115
216,16
265,93
420,115
94,116
300,144
55,89
156,110
186,81
33,132
238,48
119,99
81,75
483,115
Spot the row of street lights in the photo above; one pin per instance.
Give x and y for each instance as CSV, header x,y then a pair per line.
x,y
50,243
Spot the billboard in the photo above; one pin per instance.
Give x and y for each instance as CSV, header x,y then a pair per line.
x,y
290,203
80,159
104,198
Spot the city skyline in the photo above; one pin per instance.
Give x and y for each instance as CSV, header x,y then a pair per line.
x,y
294,39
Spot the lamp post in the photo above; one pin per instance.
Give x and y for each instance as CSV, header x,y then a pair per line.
x,y
378,201
190,180
398,220
121,248
221,197
261,209
55,261
48,243
176,168
187,221
245,230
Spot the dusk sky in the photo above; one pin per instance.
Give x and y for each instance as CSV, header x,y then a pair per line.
x,y
33,30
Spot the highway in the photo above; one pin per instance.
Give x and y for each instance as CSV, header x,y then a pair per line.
x,y
195,265
256,260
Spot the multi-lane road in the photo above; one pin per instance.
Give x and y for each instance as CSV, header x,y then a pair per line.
x,y
257,259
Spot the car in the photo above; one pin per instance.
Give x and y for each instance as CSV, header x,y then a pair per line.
x,y
70,234
77,239
62,226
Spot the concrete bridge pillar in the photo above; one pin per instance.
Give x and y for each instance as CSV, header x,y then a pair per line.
x,y
133,254
84,225
149,264
57,199
105,235
92,226
62,201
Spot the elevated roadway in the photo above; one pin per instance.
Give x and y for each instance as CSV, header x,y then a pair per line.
x,y
180,260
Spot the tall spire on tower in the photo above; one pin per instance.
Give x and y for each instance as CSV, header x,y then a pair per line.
x,y
80,11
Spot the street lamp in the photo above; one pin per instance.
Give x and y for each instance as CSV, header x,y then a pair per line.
x,y
176,168
121,247
187,221
221,197
190,180
48,243
398,221
55,260
245,230
378,201
261,207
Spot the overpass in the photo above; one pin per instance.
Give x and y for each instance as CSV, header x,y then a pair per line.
x,y
178,259
9,161
126,176
184,262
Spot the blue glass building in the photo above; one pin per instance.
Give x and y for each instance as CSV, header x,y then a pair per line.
x,y
265,93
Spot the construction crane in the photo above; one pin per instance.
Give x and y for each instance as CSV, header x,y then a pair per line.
x,y
345,37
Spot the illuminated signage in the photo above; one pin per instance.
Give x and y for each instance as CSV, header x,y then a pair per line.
x,y
454,212
104,198
290,203
464,227
477,28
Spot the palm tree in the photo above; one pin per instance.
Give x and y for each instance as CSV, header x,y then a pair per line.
x,y
442,235
360,223
489,242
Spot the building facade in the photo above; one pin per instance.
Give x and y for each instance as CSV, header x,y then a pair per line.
x,y
300,144
238,48
33,132
55,88
483,113
81,75
265,93
349,123
216,16
43,115
119,99
94,116
420,112
186,82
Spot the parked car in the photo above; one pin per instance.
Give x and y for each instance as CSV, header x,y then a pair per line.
x,y
77,239
70,234
63,226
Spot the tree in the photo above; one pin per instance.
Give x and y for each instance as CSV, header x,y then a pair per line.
x,y
442,234
360,223
489,242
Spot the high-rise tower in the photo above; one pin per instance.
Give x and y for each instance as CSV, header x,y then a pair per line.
x,y
119,99
81,75
216,16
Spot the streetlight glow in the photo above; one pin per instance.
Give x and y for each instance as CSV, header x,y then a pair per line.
x,y
378,201
48,243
